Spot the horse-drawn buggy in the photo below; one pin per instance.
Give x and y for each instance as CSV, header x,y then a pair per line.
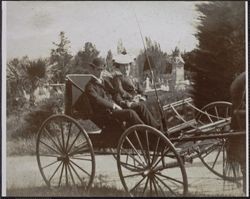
x,y
150,162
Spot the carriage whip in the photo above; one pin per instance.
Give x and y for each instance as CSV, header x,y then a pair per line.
x,y
164,123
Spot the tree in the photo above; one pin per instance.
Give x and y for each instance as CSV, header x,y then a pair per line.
x,y
120,48
60,59
23,77
15,83
35,72
84,57
220,55
157,58
109,61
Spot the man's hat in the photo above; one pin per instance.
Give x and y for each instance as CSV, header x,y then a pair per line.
x,y
98,63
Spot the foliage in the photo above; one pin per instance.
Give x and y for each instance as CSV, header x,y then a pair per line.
x,y
15,83
158,59
120,48
220,56
83,58
60,59
109,61
23,77
34,118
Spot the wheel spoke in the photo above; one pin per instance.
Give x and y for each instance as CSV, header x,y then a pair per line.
x,y
147,141
145,187
155,151
150,187
67,142
55,172
80,167
153,182
166,185
74,140
216,112
76,174
131,190
142,150
59,142
216,158
48,133
60,179
139,156
161,157
49,147
209,151
132,175
125,163
163,193
66,175
62,133
49,155
83,148
135,159
170,178
50,164
85,159
209,117
71,175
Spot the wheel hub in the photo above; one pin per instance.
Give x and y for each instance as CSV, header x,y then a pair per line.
x,y
150,173
64,158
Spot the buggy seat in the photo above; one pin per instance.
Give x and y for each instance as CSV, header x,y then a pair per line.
x,y
77,104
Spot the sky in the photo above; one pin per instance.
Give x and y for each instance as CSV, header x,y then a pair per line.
x,y
32,26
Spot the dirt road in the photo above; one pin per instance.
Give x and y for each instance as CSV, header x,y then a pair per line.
x,y
23,172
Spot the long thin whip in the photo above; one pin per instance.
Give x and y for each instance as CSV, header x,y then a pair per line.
x,y
164,123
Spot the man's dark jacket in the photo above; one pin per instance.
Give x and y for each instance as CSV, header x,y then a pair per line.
x,y
102,96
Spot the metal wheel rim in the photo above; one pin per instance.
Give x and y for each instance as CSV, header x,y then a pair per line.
x,y
220,151
66,169
214,106
152,171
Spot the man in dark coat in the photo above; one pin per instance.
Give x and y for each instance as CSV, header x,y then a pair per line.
x,y
105,100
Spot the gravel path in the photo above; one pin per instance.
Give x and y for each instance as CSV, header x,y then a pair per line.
x,y
23,172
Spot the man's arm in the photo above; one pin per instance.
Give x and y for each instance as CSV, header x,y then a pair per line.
x,y
119,88
97,99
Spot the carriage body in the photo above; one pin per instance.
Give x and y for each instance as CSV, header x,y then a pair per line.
x,y
142,152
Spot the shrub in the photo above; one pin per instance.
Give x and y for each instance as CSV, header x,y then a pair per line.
x,y
35,118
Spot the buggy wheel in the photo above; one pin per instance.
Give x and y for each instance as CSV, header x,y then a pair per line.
x,y
64,153
213,154
149,165
214,111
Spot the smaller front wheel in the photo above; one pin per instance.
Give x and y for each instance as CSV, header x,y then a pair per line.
x,y
149,165
64,153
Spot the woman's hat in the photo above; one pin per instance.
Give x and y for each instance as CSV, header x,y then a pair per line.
x,y
123,59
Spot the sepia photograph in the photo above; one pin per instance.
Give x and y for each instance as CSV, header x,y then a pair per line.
x,y
124,99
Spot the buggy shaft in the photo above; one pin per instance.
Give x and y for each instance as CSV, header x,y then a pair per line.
x,y
204,137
